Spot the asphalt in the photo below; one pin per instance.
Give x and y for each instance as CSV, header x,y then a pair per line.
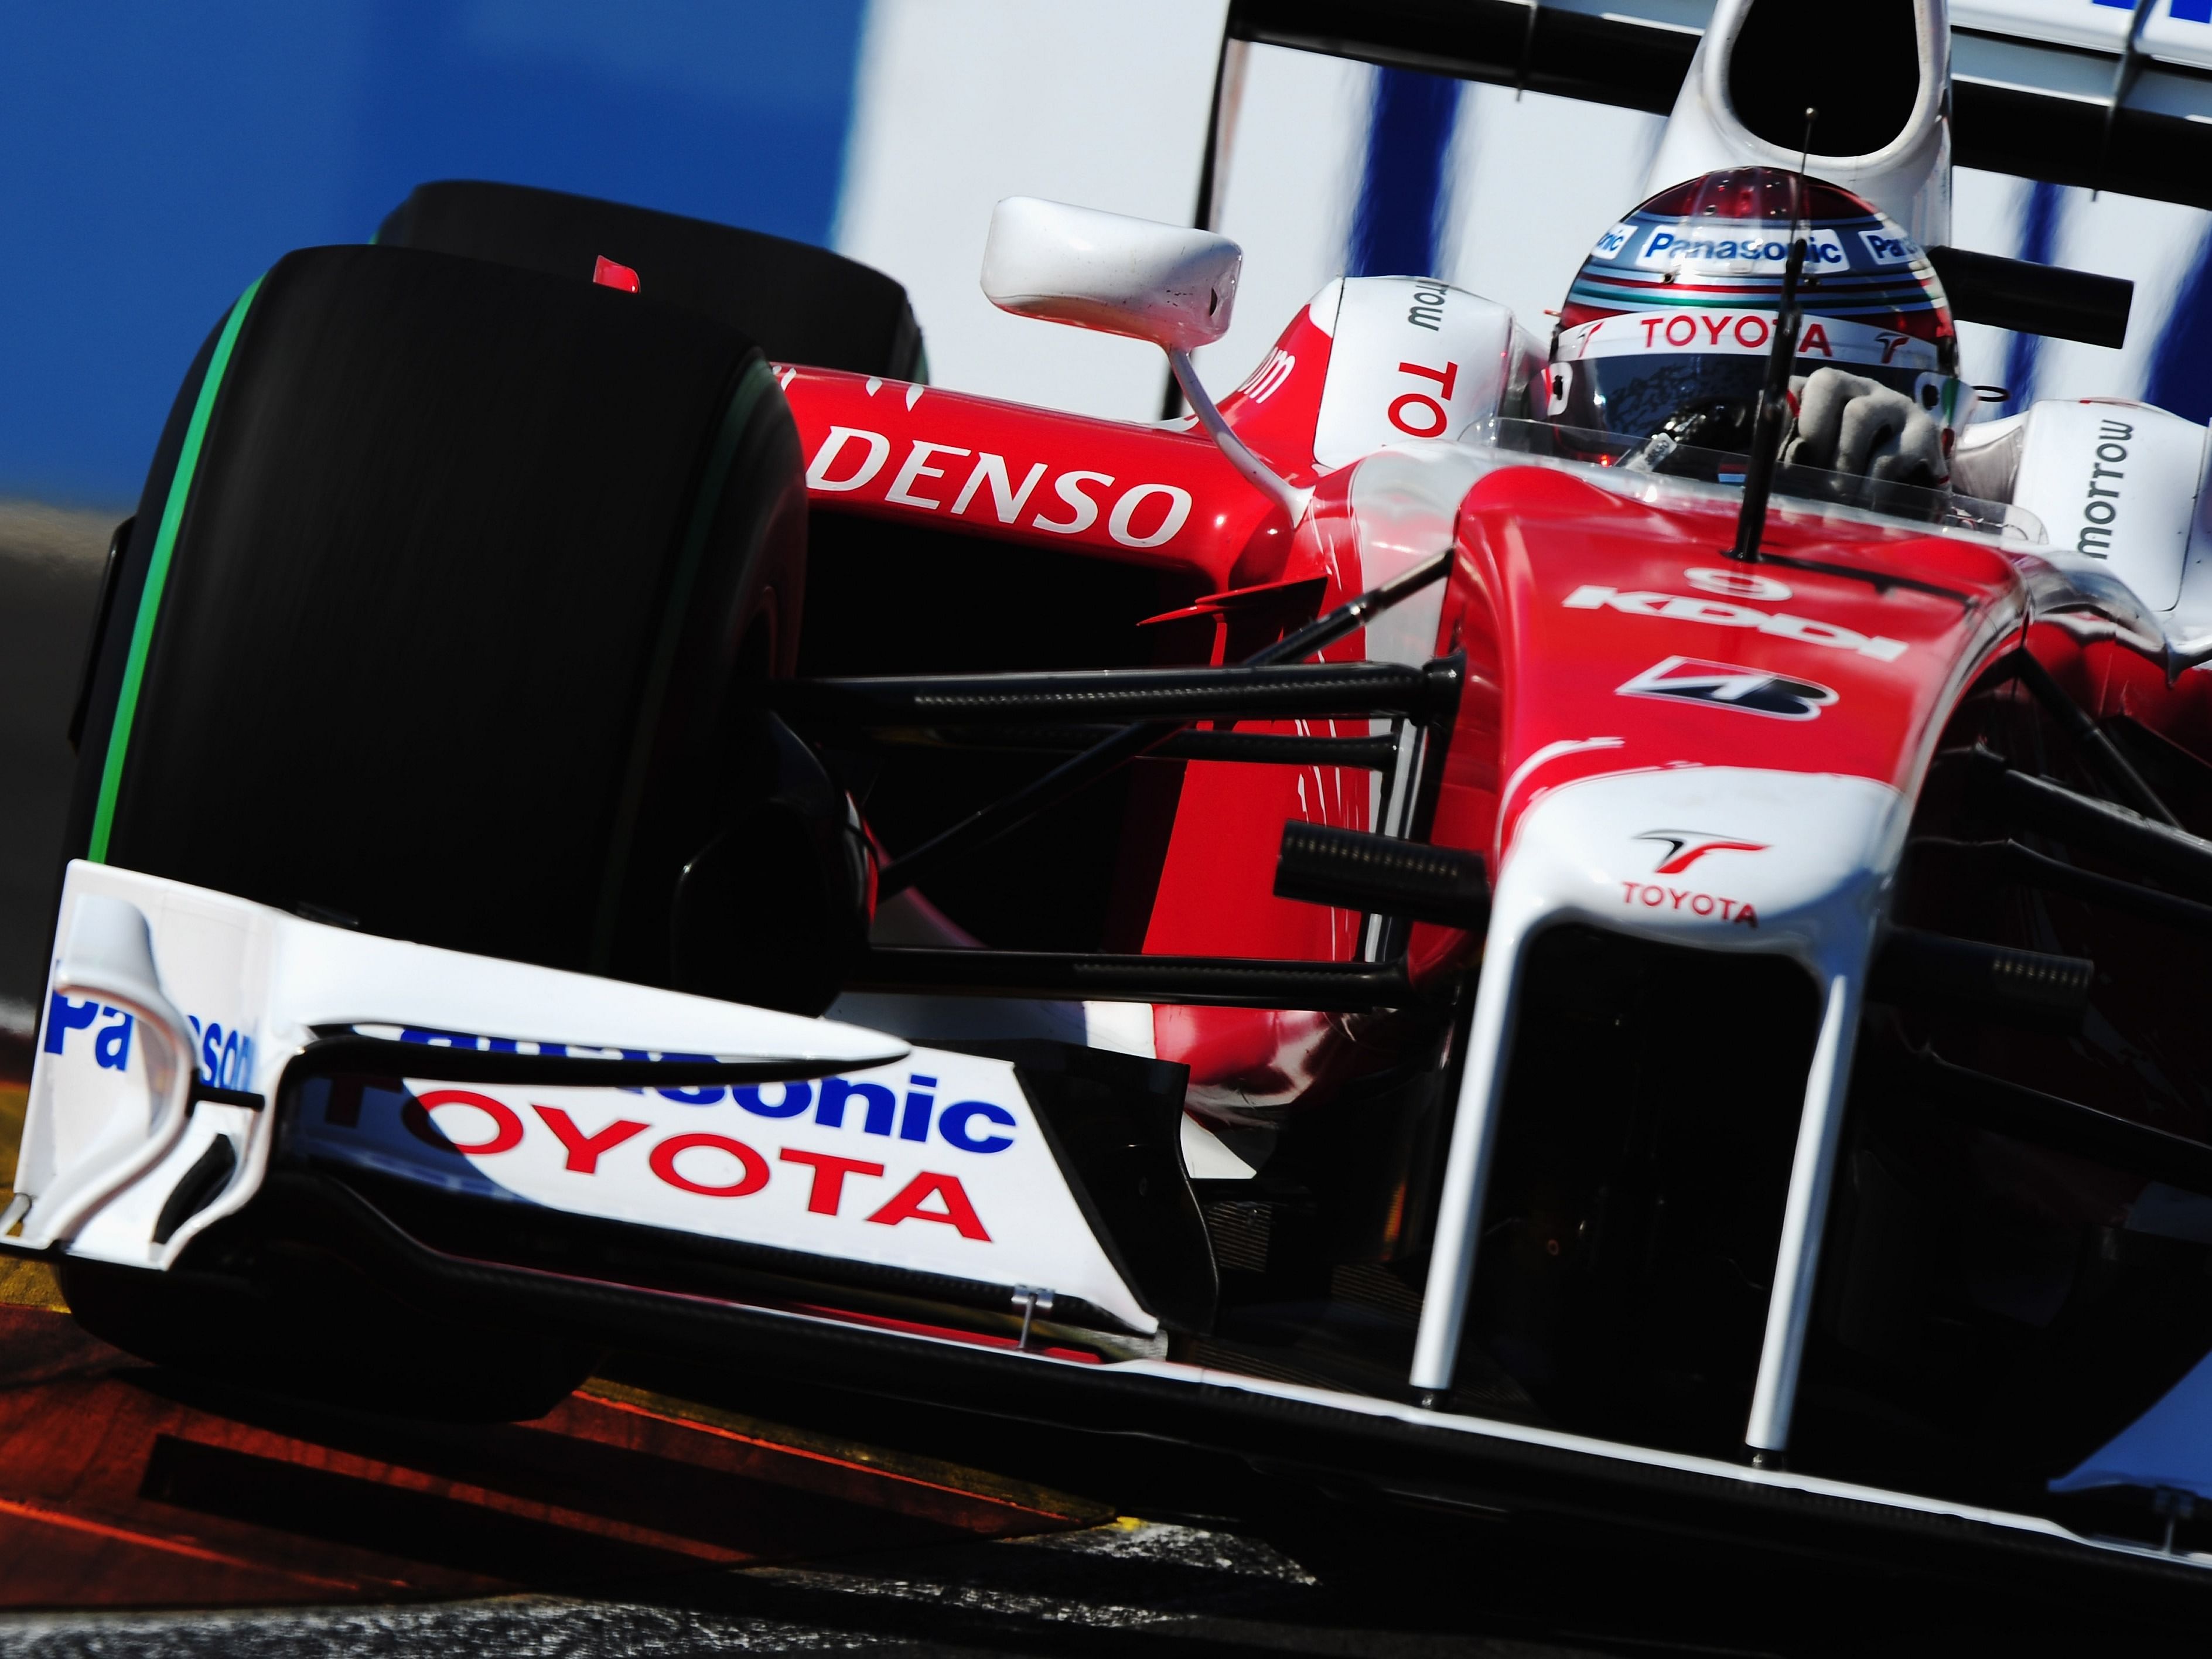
x,y
1174,1588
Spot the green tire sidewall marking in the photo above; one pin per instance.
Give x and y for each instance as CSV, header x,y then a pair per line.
x,y
157,576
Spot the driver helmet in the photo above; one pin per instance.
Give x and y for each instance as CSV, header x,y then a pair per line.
x,y
1669,323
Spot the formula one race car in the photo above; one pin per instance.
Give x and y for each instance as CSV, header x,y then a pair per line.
x,y
1419,925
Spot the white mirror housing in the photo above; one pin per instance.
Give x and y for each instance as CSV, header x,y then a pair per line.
x,y
1165,283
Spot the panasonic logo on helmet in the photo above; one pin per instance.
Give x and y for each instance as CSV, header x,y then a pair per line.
x,y
1887,250
1610,244
1754,247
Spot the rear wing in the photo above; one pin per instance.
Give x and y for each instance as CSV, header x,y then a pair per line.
x,y
2070,92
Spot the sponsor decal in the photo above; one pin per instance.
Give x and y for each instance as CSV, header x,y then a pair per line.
x,y
1413,359
1651,896
1680,849
1720,613
1887,250
1892,343
869,1107
110,1043
1737,247
1726,685
1610,244
225,1057
2102,506
1427,310
1417,414
1747,332
1711,330
934,1163
851,459
728,1144
475,1124
1736,584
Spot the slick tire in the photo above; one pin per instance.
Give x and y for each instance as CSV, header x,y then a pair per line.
x,y
437,620
803,305
439,607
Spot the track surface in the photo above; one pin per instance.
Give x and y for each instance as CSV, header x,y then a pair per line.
x,y
146,1513
135,1504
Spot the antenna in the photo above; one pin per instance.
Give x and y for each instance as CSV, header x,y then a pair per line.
x,y
1771,424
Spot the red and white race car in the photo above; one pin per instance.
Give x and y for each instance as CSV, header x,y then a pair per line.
x,y
1350,929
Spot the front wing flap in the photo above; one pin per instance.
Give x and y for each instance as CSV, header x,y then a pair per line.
x,y
190,1036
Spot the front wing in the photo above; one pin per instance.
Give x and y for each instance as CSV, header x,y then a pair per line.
x,y
965,1230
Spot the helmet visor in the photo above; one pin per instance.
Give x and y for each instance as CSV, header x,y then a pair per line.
x,y
1633,397
1633,372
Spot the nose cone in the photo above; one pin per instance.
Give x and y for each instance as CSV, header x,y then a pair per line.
x,y
1729,858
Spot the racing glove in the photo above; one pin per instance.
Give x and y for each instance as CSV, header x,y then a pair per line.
x,y
1848,423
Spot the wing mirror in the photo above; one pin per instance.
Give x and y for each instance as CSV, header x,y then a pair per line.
x,y
1107,272
1165,283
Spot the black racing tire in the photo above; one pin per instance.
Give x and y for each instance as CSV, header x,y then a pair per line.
x,y
438,618
439,604
803,304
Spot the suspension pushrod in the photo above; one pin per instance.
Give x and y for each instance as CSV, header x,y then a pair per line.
x,y
2033,869
1256,748
1212,982
1340,690
2171,854
2092,737
2026,1114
